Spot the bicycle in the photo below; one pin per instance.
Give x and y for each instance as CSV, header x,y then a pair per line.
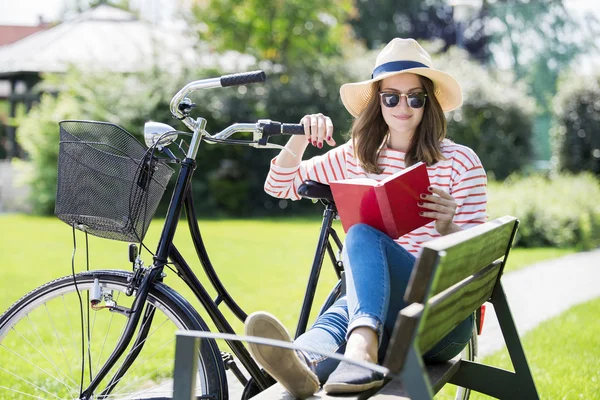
x,y
122,363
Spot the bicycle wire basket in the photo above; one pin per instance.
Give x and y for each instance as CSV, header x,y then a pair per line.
x,y
109,184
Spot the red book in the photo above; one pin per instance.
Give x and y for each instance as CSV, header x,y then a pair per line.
x,y
390,205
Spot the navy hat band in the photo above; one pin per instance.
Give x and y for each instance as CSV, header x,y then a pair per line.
x,y
396,66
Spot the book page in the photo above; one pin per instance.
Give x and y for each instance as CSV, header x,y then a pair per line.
x,y
358,181
400,173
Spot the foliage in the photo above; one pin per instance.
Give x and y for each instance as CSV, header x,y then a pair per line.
x,y
576,139
120,99
496,118
541,38
224,182
294,32
38,135
561,211
376,22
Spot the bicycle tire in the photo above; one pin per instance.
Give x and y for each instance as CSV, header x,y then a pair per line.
x,y
28,355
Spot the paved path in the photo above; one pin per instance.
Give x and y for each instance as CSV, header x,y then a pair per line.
x,y
543,291
535,294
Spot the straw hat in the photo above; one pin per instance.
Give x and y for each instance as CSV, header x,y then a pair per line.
x,y
402,56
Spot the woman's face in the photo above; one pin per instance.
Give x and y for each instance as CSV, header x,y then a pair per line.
x,y
401,119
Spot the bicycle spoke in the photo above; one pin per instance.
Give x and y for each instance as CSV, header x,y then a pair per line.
x,y
45,357
147,358
49,358
36,366
57,337
144,376
30,383
70,325
112,315
17,391
116,368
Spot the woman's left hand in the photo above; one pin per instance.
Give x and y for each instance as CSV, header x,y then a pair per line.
x,y
440,206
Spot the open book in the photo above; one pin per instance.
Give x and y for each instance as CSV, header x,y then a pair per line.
x,y
390,205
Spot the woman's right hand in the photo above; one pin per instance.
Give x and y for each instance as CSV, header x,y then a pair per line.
x,y
318,128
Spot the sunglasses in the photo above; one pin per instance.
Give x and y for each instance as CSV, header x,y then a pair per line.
x,y
414,100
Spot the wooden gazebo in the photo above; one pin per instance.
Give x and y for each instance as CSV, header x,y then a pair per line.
x,y
102,38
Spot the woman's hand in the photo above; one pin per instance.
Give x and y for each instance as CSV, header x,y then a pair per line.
x,y
318,128
442,207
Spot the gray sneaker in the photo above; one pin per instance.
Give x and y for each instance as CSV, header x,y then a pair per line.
x,y
283,365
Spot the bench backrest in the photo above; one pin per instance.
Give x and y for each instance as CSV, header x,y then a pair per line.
x,y
452,278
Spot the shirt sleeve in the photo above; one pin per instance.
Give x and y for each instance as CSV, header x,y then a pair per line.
x,y
470,193
283,183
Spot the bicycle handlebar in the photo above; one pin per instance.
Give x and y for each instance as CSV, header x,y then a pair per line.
x,y
243,78
181,106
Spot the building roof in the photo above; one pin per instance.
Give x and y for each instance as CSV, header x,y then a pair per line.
x,y
105,38
12,33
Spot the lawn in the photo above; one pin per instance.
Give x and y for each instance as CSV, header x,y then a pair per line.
x,y
264,265
563,354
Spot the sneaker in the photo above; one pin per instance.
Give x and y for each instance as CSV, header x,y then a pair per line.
x,y
284,365
350,378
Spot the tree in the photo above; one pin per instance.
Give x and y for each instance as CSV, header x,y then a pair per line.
x,y
541,39
376,22
291,32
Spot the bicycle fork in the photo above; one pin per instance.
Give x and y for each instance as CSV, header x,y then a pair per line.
x,y
126,337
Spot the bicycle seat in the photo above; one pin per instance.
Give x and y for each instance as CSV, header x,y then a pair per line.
x,y
315,190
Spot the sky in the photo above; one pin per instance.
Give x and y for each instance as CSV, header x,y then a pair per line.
x,y
13,12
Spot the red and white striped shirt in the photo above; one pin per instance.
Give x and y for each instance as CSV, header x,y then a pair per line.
x,y
460,174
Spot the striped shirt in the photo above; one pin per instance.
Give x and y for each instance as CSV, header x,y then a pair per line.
x,y
460,174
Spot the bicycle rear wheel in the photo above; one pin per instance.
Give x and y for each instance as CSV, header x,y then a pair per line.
x,y
41,342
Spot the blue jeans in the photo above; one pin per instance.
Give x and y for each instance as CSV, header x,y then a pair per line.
x,y
377,274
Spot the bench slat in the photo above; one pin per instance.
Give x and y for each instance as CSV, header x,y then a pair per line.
x,y
438,374
462,254
449,308
459,261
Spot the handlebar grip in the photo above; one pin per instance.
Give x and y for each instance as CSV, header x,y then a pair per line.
x,y
243,78
292,129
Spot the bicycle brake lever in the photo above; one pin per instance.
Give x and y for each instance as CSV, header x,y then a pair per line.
x,y
272,146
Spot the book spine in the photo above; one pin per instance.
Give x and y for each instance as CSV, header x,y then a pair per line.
x,y
385,209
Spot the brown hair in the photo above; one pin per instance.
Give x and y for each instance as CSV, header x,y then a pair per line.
x,y
369,131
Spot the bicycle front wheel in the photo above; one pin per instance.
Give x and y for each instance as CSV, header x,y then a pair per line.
x,y
51,347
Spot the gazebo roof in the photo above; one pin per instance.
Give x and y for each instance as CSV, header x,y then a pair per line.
x,y
103,38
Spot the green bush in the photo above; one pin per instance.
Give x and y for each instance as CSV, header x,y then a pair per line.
x,y
496,118
38,135
126,100
576,132
562,211
229,179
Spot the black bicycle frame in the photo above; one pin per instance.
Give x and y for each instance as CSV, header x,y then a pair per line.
x,y
182,197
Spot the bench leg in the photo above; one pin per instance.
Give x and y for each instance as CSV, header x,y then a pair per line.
x,y
497,382
414,378
186,365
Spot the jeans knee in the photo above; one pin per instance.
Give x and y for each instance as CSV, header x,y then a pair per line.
x,y
361,234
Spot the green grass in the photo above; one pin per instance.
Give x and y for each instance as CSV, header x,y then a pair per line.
x,y
563,354
264,264
520,257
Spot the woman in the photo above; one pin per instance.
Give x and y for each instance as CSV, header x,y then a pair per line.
x,y
399,120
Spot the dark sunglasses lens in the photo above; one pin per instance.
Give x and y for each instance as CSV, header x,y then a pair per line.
x,y
416,100
390,99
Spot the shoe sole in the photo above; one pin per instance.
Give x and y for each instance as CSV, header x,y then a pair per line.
x,y
334,388
282,364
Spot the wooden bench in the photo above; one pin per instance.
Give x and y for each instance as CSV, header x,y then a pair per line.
x,y
453,277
